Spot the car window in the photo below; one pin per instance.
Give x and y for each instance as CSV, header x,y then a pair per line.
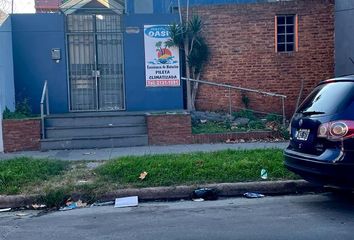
x,y
328,98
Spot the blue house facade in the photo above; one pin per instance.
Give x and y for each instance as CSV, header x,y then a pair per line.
x,y
93,69
88,69
93,55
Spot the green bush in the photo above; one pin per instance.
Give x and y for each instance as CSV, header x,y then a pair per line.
x,y
284,133
256,124
245,99
55,198
211,127
23,110
274,118
245,113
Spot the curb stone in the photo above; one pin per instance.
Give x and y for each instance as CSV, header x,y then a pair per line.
x,y
223,189
17,201
183,192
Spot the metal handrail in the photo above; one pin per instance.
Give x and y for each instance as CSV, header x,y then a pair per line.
x,y
234,87
242,89
45,97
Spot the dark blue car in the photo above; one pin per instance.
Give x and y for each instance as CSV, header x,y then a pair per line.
x,y
321,148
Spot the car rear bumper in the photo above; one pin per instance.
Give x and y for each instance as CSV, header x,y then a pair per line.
x,y
332,171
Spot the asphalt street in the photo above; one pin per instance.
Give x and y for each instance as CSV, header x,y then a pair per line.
x,y
317,216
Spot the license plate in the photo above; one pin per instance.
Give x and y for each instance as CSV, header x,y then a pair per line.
x,y
302,134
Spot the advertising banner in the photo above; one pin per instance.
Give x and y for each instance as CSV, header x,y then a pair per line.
x,y
162,67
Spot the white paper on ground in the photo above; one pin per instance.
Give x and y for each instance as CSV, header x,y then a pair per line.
x,y
126,202
5,209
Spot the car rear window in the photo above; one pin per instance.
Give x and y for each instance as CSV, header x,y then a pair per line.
x,y
329,98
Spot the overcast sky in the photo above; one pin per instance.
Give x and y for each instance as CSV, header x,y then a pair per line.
x,y
24,6
20,6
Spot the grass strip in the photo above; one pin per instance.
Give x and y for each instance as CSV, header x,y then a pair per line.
x,y
21,172
58,179
194,168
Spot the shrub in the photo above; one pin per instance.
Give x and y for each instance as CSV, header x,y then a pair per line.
x,y
23,110
274,118
245,99
256,124
245,113
55,198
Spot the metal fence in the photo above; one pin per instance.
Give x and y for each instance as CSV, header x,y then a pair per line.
x,y
229,88
95,52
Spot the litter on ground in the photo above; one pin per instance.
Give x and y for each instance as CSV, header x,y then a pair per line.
x,y
264,174
126,202
5,209
89,153
253,195
100,204
205,193
198,200
38,206
143,175
21,214
73,205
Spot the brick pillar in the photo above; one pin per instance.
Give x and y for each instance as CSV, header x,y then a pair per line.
x,y
21,135
169,129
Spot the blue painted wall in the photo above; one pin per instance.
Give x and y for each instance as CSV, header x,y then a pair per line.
x,y
7,90
139,97
160,6
34,35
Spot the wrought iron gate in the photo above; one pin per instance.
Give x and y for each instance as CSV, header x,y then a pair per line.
x,y
95,52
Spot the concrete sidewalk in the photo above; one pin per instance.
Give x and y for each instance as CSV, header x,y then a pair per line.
x,y
109,153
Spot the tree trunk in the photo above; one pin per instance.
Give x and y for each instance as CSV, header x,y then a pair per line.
x,y
188,73
195,91
180,12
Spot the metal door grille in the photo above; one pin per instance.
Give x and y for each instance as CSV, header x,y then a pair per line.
x,y
95,49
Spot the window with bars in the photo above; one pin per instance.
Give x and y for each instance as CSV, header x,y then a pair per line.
x,y
286,33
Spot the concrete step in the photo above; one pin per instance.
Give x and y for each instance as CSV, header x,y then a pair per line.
x,y
94,142
96,131
87,121
95,114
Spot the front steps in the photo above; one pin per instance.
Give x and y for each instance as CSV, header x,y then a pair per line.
x,y
94,130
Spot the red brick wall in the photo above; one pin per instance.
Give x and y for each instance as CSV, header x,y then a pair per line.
x,y
177,129
21,135
241,38
169,129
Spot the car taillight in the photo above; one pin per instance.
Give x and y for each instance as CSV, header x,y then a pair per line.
x,y
337,130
